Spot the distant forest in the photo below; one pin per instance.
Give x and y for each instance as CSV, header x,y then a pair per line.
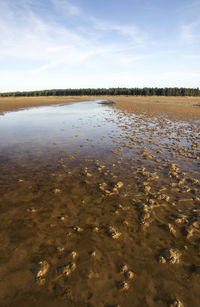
x,y
111,91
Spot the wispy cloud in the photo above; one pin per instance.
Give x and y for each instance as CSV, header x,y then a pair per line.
x,y
130,31
192,56
25,35
130,61
193,5
190,32
44,43
66,7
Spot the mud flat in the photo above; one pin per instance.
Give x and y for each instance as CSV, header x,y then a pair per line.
x,y
181,107
100,205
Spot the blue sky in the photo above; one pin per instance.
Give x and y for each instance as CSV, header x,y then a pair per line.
x,y
109,43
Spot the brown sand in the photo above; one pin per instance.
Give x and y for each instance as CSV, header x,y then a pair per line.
x,y
184,107
16,103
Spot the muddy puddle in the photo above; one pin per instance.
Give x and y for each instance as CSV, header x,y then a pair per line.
x,y
99,207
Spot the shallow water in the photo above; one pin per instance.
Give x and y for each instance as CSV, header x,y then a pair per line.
x,y
87,188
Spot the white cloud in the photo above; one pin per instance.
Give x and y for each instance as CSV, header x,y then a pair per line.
x,y
95,53
26,36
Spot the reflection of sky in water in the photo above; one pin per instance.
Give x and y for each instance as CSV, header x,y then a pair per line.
x,y
85,123
68,124
49,133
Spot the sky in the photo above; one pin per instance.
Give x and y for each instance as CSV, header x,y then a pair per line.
x,y
52,44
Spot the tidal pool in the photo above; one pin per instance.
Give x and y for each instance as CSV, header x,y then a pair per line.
x,y
99,207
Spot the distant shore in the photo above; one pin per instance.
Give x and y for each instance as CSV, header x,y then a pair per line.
x,y
8,104
183,106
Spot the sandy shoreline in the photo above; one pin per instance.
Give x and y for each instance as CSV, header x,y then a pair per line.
x,y
8,104
174,106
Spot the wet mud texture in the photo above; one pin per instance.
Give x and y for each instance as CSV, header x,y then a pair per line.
x,y
114,223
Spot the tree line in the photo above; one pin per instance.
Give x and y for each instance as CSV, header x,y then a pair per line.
x,y
111,91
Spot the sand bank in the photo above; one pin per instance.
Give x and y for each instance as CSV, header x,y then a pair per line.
x,y
16,103
183,107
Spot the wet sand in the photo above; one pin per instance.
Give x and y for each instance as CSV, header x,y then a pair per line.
x,y
183,107
106,214
17,103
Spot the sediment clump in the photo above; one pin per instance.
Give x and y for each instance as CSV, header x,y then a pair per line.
x,y
175,303
66,269
40,271
169,255
145,215
123,286
112,232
